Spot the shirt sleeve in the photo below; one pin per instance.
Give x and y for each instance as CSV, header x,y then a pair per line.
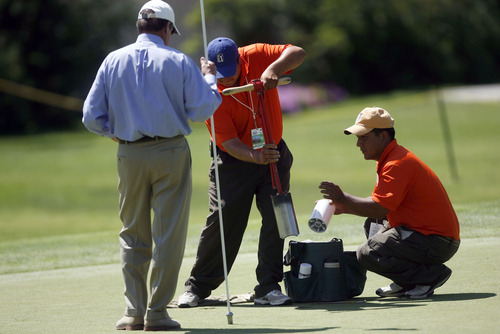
x,y
261,55
202,97
95,108
225,127
278,50
392,186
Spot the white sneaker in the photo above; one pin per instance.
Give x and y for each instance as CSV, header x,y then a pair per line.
x,y
273,298
188,299
392,290
425,291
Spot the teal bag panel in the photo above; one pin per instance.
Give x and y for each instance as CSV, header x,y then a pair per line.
x,y
340,279
301,289
355,274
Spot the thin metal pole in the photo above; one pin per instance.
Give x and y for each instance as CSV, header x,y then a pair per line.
x,y
229,314
447,134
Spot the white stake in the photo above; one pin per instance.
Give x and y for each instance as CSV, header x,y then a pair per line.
x,y
229,314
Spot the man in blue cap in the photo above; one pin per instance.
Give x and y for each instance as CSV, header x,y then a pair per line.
x,y
243,158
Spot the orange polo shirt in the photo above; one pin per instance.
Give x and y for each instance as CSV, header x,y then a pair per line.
x,y
238,114
413,194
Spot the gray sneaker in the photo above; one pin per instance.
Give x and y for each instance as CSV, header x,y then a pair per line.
x,y
188,299
161,325
273,298
392,290
130,323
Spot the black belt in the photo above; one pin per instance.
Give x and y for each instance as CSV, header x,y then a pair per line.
x,y
448,239
146,139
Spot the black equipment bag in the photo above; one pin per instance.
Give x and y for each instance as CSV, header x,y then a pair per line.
x,y
336,275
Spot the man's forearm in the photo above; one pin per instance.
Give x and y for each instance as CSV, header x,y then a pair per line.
x,y
266,155
240,151
290,59
365,207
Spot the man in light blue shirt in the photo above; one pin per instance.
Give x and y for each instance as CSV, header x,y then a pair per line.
x,y
143,97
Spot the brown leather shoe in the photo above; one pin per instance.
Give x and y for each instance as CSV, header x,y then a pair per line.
x,y
130,323
161,325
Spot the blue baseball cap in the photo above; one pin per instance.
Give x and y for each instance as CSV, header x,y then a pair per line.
x,y
224,53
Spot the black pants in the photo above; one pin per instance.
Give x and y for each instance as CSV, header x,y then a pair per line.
x,y
407,257
239,182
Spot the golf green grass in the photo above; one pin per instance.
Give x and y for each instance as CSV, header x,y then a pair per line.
x,y
89,300
59,255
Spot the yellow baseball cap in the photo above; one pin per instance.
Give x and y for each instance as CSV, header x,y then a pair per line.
x,y
369,119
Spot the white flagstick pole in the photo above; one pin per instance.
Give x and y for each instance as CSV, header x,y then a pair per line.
x,y
229,314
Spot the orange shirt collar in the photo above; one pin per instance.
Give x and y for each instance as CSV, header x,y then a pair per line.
x,y
392,145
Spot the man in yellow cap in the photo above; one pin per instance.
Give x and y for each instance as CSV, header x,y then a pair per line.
x,y
421,231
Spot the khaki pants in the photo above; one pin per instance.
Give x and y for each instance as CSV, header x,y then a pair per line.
x,y
153,176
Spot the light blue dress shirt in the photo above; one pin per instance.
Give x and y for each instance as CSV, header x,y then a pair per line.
x,y
148,89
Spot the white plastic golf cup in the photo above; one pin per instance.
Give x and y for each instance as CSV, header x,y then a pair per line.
x,y
321,215
305,270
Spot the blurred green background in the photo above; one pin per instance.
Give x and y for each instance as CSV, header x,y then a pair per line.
x,y
363,46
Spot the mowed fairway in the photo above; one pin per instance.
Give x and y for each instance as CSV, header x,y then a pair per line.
x,y
59,261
